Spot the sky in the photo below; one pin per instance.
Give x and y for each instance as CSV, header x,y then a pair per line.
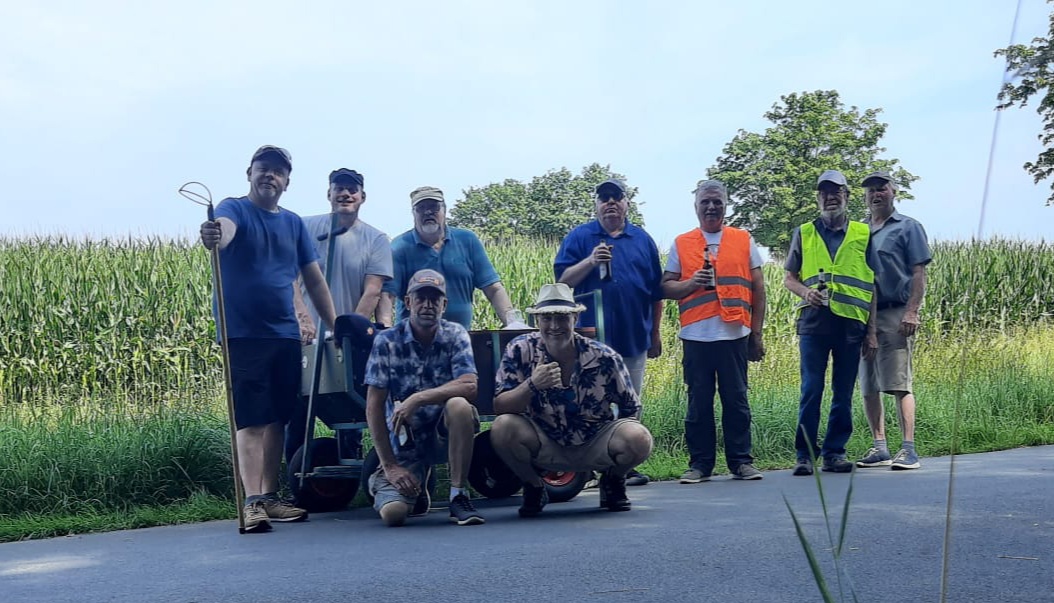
x,y
107,107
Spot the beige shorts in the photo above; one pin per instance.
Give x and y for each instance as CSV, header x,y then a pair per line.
x,y
890,371
590,456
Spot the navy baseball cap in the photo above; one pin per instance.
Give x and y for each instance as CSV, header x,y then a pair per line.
x,y
346,174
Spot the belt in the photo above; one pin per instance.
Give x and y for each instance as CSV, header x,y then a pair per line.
x,y
888,305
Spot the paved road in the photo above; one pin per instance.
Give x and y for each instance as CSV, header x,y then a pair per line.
x,y
719,541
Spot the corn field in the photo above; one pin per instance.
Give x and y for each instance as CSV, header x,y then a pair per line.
x,y
133,317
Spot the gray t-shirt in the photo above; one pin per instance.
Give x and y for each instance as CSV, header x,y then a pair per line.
x,y
713,328
360,251
900,245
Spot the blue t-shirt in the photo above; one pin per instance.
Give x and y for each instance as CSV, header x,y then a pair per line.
x,y
401,365
629,297
259,266
462,261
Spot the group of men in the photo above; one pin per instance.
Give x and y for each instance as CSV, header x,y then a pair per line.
x,y
564,402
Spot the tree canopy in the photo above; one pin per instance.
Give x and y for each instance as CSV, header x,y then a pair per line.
x,y
771,176
1031,68
548,206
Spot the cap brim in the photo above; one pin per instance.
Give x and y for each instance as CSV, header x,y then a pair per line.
x,y
416,289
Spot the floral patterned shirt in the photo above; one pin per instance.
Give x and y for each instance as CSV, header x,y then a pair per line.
x,y
401,365
571,415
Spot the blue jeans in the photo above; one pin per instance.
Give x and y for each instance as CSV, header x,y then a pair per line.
x,y
845,356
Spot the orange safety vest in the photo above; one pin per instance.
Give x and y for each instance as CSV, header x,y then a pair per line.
x,y
732,298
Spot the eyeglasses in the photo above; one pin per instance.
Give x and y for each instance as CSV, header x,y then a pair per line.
x,y
426,207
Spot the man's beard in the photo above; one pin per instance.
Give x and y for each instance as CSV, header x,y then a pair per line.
x,y
431,228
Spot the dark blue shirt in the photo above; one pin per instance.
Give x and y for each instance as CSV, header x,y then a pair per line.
x,y
259,266
401,365
462,260
629,297
821,321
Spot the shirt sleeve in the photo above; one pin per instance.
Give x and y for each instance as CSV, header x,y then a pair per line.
x,y
380,263
229,209
917,247
396,284
755,255
513,370
569,254
673,261
656,266
483,271
462,362
871,255
306,251
378,365
793,263
628,402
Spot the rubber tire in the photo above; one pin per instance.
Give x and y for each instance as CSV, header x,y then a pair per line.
x,y
372,463
489,475
565,485
324,495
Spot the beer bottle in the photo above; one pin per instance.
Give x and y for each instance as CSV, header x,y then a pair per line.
x,y
710,284
605,267
822,288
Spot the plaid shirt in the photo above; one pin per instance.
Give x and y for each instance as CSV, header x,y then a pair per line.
x,y
401,365
571,415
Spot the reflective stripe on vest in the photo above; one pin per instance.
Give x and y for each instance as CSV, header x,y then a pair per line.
x,y
732,298
850,279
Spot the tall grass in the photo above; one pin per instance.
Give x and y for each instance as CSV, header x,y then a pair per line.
x,y
111,397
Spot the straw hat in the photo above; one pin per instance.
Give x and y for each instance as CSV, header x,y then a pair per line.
x,y
555,299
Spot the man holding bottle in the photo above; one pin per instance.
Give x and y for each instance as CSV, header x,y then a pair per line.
x,y
830,267
621,259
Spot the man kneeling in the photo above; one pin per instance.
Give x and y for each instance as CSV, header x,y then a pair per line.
x,y
421,377
565,403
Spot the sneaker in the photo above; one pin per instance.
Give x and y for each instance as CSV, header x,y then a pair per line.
x,y
803,467
636,478
837,465
424,499
694,476
613,493
594,481
256,519
905,460
746,471
875,458
534,500
281,510
463,513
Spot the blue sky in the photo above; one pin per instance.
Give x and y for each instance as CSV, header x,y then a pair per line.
x,y
109,106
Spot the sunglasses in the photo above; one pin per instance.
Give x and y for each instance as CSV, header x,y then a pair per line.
x,y
606,196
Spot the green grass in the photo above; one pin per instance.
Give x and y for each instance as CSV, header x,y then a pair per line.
x,y
112,414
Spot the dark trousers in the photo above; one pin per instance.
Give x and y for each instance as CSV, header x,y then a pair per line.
x,y
844,353
720,365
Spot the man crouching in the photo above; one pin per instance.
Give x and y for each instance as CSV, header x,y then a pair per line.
x,y
421,377
566,403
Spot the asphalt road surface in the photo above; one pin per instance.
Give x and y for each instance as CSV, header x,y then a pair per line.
x,y
719,541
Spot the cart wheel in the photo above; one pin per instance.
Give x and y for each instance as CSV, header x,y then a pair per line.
x,y
489,475
565,485
372,463
320,495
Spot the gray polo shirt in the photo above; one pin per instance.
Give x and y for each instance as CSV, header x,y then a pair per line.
x,y
900,245
360,251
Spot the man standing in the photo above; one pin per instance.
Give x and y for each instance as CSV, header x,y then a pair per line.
x,y
422,380
455,253
621,259
714,272
362,262
828,268
262,249
565,403
903,254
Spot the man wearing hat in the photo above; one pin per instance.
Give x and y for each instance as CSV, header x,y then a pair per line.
x,y
455,253
621,259
421,380
714,273
903,254
262,249
830,267
362,262
565,403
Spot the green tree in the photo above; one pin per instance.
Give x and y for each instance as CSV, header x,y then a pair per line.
x,y
548,206
1031,67
771,176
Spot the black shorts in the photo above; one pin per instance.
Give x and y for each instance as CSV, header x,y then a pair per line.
x,y
265,380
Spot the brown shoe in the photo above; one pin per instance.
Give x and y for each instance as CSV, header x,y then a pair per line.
x,y
280,510
256,520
